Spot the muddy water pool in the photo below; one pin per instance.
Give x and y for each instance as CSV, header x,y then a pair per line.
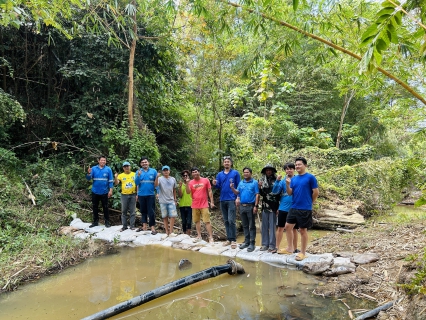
x,y
264,292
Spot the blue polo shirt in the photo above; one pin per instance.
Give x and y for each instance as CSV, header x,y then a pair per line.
x,y
248,191
302,186
285,200
223,180
102,179
145,181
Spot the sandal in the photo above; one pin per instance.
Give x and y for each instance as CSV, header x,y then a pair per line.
x,y
139,229
284,251
123,229
273,250
153,232
197,240
300,256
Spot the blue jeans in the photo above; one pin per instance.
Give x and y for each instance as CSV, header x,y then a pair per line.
x,y
229,209
128,203
186,215
147,208
249,224
269,220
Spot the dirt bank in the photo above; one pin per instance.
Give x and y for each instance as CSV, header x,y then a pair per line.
x,y
400,248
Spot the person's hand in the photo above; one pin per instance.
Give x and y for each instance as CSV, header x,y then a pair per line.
x,y
158,175
237,201
139,172
214,182
116,175
279,177
212,205
231,185
180,184
110,194
259,183
255,208
288,180
89,171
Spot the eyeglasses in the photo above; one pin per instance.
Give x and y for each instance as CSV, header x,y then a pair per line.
x,y
185,175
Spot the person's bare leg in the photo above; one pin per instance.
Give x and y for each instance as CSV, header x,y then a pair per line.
x,y
198,227
209,229
295,236
144,226
304,236
279,237
172,224
289,236
166,225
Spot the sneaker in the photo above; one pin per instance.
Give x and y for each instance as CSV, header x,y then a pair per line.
x,y
93,225
107,224
233,245
172,235
226,243
272,249
250,248
263,248
296,251
244,245
123,229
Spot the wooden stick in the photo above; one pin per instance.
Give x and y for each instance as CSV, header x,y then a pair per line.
x,y
31,196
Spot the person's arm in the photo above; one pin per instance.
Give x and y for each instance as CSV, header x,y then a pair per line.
x,y
188,189
89,174
110,183
315,193
180,189
156,179
289,190
256,203
278,187
211,198
116,181
235,191
174,195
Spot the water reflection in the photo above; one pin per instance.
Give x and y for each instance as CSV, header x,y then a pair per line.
x,y
264,292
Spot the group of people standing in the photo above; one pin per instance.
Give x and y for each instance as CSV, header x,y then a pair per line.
x,y
286,203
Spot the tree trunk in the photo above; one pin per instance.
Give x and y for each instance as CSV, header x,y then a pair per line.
x,y
342,116
130,103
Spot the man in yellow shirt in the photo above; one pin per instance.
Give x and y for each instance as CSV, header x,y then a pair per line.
x,y
128,195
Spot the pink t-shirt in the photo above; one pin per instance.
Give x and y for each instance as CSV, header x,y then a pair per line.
x,y
199,193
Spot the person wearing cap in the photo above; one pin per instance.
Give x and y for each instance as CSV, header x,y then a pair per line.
x,y
167,199
128,195
270,203
102,178
227,199
145,179
185,203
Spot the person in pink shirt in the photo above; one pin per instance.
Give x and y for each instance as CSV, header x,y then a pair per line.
x,y
200,188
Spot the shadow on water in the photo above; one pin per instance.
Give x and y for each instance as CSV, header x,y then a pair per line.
x,y
263,292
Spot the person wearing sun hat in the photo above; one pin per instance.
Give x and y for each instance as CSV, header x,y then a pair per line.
x,y
270,203
128,195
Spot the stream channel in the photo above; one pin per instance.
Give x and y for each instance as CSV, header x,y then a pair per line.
x,y
263,292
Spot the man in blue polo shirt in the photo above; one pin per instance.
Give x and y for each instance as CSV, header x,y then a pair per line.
x,y
247,199
145,179
102,178
304,188
227,199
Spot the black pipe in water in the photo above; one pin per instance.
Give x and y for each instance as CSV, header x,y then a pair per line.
x,y
231,267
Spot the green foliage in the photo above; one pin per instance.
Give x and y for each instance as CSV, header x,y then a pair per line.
x,y
418,284
376,183
10,112
123,147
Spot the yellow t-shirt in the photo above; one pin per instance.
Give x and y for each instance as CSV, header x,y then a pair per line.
x,y
128,185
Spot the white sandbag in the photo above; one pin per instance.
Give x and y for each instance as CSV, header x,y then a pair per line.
x,y
343,262
231,253
325,257
249,256
108,234
183,246
365,258
179,238
166,243
277,259
213,249
128,236
82,235
77,223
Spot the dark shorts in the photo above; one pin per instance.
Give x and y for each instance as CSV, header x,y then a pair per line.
x,y
301,217
282,219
